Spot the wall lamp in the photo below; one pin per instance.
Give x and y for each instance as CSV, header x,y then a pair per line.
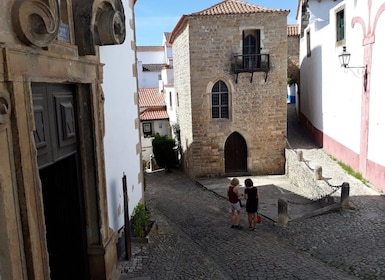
x,y
345,59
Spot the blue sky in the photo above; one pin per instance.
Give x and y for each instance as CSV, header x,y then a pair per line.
x,y
154,17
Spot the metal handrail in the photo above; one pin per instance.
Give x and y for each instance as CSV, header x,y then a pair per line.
x,y
251,63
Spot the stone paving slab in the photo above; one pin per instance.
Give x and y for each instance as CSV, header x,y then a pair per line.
x,y
341,245
271,189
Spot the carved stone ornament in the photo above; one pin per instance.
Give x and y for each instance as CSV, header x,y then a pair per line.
x,y
98,23
36,22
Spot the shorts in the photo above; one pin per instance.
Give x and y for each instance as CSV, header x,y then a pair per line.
x,y
235,206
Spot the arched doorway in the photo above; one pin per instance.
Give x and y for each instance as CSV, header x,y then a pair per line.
x,y
60,176
235,154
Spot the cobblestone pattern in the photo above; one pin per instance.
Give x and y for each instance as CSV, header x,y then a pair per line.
x,y
195,242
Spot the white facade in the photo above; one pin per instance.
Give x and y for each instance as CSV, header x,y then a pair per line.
x,y
122,140
346,119
149,55
164,80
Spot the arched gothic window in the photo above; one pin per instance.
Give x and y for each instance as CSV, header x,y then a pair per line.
x,y
220,101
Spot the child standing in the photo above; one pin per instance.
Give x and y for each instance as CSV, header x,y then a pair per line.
x,y
233,196
252,197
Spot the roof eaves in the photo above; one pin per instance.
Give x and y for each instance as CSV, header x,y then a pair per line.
x,y
177,28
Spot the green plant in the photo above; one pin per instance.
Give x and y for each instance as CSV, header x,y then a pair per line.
x,y
290,81
164,152
350,171
140,220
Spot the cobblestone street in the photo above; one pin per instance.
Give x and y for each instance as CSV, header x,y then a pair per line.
x,y
194,239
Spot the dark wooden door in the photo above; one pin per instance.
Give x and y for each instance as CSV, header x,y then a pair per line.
x,y
64,220
235,154
58,160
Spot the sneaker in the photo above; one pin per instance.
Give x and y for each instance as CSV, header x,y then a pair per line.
x,y
232,226
238,227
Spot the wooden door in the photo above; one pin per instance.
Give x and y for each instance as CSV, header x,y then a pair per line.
x,y
60,176
235,154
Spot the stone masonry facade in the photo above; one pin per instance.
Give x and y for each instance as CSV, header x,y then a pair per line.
x,y
203,49
293,53
50,80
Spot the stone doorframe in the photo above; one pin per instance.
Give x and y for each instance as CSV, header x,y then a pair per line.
x,y
21,205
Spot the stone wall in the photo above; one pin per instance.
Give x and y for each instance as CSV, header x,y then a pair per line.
x,y
297,171
306,176
182,78
203,52
293,58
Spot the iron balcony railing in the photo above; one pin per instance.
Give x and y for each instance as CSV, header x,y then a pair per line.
x,y
251,63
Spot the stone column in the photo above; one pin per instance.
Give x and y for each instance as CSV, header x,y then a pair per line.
x,y
283,217
345,201
300,156
318,172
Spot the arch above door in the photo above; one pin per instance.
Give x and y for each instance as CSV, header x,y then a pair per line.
x,y
235,154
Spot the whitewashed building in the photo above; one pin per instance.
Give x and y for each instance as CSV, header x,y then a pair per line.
x,y
342,107
122,147
151,60
157,97
153,120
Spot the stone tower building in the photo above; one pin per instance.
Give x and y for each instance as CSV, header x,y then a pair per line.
x,y
230,74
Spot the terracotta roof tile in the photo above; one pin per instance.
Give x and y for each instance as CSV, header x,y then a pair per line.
x,y
150,97
292,30
229,7
157,114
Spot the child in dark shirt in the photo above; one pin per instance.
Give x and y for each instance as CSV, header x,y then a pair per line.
x,y
252,197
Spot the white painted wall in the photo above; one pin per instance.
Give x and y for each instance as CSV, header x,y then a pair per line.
x,y
121,137
153,57
331,95
148,79
377,95
171,103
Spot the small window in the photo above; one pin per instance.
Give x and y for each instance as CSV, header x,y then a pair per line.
x,y
170,98
220,101
308,46
340,28
147,129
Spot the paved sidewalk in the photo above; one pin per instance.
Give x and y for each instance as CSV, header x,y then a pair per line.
x,y
271,188
274,187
